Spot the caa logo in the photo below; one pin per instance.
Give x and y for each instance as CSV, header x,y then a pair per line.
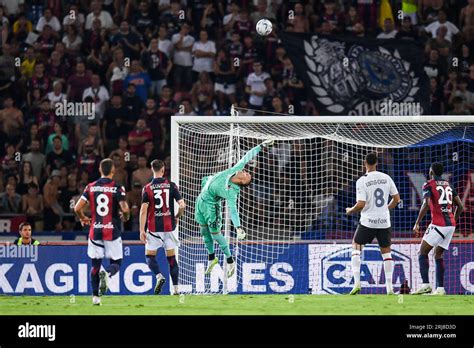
x,y
337,277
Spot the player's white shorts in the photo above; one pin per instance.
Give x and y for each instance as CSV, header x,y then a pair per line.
x,y
226,89
109,249
156,240
439,236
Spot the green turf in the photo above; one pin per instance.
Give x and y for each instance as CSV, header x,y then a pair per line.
x,y
239,305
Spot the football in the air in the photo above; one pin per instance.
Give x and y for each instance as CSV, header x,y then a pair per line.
x,y
264,27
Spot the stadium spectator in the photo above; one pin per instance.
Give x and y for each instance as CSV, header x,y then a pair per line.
x,y
25,178
204,52
182,58
10,201
134,197
100,95
58,131
33,206
442,20
202,93
139,136
36,158
159,66
53,211
48,19
142,174
389,31
57,157
255,86
97,13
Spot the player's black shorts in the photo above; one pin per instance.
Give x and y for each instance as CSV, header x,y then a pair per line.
x,y
365,235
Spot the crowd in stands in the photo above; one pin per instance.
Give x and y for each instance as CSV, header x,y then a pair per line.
x,y
142,61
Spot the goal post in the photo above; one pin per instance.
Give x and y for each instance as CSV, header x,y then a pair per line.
x,y
298,237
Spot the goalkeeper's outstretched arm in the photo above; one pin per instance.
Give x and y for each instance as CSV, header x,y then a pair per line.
x,y
251,154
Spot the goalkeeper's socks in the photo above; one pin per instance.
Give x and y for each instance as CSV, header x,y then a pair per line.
x,y
424,268
230,260
152,264
388,269
95,279
174,269
439,273
355,262
220,239
212,256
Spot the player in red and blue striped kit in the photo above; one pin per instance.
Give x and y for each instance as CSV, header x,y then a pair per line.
x,y
440,198
108,206
157,215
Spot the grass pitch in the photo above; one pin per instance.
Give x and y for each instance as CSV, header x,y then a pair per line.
x,y
239,305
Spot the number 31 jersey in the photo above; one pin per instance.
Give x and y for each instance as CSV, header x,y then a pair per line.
x,y
104,196
375,189
160,194
441,196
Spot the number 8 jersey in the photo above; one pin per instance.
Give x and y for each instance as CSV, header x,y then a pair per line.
x,y
441,196
104,196
160,194
375,189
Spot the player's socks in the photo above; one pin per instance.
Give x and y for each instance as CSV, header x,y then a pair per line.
x,y
220,239
230,266
152,264
388,269
208,241
95,279
114,267
355,262
439,273
174,269
424,268
212,256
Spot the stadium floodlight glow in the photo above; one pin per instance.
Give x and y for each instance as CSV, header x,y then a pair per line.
x,y
297,234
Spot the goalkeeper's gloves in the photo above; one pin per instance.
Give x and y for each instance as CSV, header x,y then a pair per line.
x,y
240,233
268,143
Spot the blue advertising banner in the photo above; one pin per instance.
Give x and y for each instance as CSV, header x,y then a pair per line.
x,y
298,269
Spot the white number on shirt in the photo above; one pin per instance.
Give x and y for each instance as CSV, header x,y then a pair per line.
x,y
446,194
102,202
160,198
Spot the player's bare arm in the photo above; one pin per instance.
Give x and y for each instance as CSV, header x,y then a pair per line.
x,y
460,207
125,211
181,208
356,208
394,202
78,210
423,210
143,215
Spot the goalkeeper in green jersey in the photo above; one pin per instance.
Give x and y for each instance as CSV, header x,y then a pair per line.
x,y
208,213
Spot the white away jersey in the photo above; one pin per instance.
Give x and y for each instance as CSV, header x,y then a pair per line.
x,y
375,188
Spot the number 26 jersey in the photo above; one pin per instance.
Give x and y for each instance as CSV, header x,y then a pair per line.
x,y
441,196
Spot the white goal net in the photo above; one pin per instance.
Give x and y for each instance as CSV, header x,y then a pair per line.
x,y
293,212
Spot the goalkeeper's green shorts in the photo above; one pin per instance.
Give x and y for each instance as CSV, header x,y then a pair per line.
x,y
209,214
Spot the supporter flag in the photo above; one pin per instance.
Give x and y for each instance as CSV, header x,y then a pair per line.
x,y
385,12
360,76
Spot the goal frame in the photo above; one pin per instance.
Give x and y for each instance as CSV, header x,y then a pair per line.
x,y
176,121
